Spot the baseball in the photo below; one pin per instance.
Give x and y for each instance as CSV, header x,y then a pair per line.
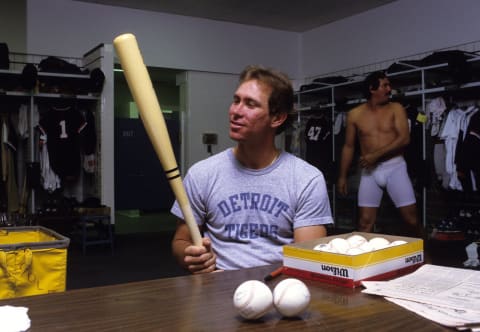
x,y
339,244
379,243
356,240
366,247
252,299
324,247
397,243
291,297
354,251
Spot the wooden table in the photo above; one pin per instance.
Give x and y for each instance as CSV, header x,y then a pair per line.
x,y
204,303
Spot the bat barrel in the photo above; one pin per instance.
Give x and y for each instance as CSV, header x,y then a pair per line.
x,y
144,95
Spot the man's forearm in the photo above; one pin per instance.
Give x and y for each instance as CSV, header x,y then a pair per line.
x,y
178,250
394,148
346,161
181,240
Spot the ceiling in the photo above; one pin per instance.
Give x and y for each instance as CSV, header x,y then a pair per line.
x,y
287,15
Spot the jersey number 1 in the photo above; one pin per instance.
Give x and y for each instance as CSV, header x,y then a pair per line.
x,y
63,133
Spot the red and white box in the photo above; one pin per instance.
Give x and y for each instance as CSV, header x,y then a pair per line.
x,y
301,261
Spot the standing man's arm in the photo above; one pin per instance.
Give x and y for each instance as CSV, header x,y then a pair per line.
x,y
347,154
396,146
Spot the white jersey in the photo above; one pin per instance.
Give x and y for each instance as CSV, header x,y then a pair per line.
x,y
456,121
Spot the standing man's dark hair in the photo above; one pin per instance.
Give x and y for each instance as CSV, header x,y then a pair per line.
x,y
372,81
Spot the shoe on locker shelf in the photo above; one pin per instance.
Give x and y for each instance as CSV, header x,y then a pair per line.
x,y
464,213
448,230
448,225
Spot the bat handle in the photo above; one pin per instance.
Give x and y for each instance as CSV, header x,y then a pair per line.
x,y
192,225
173,176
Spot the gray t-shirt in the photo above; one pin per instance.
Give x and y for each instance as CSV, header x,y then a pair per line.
x,y
250,214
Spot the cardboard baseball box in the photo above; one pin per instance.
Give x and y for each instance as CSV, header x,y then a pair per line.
x,y
302,261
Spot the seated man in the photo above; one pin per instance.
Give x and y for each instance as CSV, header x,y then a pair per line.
x,y
252,199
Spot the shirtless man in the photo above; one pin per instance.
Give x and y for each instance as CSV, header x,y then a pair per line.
x,y
382,130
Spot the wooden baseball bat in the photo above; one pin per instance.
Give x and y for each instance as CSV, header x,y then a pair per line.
x,y
144,95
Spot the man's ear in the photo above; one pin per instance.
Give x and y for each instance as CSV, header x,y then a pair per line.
x,y
278,119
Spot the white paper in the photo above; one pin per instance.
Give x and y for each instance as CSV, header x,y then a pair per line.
x,y
14,319
437,285
448,296
441,315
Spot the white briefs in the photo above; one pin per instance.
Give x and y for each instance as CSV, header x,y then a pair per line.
x,y
391,175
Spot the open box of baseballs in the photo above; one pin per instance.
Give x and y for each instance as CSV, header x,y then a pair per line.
x,y
348,259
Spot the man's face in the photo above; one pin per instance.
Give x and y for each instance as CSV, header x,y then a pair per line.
x,y
382,94
249,112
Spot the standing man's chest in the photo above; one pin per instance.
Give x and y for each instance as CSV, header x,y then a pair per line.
x,y
377,122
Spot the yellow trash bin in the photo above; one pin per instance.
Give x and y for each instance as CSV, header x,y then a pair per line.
x,y
33,260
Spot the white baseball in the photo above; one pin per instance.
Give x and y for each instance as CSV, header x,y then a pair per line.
x,y
354,251
252,299
379,243
356,240
291,297
397,243
324,247
320,246
366,247
339,244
